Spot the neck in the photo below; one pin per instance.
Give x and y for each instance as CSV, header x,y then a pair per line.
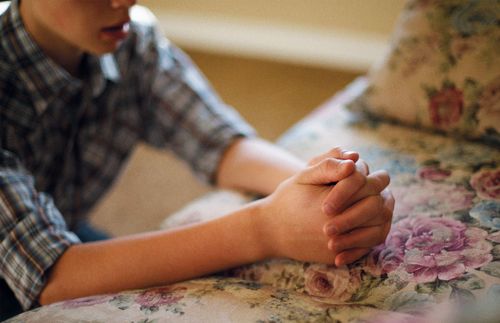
x,y
64,54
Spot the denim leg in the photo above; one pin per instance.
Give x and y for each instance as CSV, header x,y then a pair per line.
x,y
88,233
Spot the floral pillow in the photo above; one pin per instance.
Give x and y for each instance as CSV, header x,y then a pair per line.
x,y
442,71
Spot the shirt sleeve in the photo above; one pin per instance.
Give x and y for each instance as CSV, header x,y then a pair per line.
x,y
33,233
183,112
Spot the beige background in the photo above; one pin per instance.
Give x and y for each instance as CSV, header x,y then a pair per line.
x,y
364,16
340,34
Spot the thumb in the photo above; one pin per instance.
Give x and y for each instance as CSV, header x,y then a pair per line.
x,y
328,171
336,152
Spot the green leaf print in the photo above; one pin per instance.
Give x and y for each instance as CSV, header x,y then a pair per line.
x,y
468,282
439,289
409,302
496,252
493,269
122,302
462,296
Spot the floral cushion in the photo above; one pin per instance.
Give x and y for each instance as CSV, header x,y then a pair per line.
x,y
214,299
444,246
442,71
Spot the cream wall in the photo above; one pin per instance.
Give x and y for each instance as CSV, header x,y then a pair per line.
x,y
372,16
349,34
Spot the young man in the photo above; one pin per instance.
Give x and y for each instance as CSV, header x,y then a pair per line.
x,y
80,85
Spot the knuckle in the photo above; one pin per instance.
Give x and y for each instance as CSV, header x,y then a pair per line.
x,y
377,184
384,177
380,180
387,215
329,165
336,151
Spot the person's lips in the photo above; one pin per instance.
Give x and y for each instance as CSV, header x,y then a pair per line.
x,y
115,32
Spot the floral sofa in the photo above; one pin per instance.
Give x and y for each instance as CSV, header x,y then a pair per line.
x,y
441,260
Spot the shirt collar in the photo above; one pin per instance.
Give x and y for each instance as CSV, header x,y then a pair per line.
x,y
101,69
42,77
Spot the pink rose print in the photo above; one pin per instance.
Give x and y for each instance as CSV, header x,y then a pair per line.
x,y
433,173
160,296
86,301
338,284
486,183
426,249
430,198
446,107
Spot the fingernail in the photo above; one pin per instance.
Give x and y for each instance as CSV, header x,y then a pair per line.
x,y
330,245
339,262
328,209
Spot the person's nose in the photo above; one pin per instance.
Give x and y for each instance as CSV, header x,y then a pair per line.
x,y
115,4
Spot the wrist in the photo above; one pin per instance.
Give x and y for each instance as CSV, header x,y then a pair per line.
x,y
264,235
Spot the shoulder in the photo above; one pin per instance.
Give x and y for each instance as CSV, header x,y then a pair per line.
x,y
146,45
143,21
144,29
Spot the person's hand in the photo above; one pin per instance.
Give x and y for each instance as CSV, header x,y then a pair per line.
x,y
291,218
363,225
361,210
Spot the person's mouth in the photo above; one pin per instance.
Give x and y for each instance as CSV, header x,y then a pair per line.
x,y
115,32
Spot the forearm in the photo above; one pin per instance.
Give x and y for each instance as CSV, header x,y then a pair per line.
x,y
156,258
256,165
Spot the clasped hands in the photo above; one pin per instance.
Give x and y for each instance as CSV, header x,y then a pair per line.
x,y
332,212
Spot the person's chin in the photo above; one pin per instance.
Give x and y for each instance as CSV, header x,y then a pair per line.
x,y
105,48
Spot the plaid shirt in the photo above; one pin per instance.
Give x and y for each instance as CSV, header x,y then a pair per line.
x,y
64,140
